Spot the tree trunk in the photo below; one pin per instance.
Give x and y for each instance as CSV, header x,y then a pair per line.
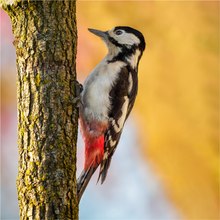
x,y
45,41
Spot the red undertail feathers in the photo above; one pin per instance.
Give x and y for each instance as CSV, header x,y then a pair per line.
x,y
94,151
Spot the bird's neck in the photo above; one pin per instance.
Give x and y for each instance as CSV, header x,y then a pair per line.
x,y
113,52
131,57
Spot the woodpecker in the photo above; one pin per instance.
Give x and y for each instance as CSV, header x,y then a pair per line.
x,y
107,99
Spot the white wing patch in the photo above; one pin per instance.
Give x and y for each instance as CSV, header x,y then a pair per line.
x,y
130,81
105,157
112,143
120,123
133,59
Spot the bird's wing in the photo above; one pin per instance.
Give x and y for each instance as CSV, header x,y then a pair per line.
x,y
122,100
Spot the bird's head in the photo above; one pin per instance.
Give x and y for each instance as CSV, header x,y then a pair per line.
x,y
122,39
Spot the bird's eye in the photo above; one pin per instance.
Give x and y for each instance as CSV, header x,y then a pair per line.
x,y
118,32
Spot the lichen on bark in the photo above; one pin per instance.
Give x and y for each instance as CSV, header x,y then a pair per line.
x,y
45,41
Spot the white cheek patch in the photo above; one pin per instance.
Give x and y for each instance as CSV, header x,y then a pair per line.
x,y
125,38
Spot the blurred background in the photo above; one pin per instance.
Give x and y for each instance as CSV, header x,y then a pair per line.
x,y
167,163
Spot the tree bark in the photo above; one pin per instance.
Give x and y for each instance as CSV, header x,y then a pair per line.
x,y
45,41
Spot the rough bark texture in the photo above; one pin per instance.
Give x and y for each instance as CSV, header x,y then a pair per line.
x,y
45,41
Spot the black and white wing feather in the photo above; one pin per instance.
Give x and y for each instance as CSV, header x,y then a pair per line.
x,y
122,100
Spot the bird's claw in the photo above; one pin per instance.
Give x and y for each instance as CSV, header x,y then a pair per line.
x,y
78,90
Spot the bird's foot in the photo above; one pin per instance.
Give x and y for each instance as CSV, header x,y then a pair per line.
x,y
78,88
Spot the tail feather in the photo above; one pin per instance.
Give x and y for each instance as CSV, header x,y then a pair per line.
x,y
105,166
104,170
83,180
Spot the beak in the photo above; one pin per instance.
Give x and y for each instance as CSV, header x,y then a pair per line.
x,y
102,34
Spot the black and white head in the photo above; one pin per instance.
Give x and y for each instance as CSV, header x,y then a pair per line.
x,y
123,42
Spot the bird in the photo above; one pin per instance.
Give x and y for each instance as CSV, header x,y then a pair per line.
x,y
107,98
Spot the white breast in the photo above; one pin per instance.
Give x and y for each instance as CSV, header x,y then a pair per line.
x,y
95,95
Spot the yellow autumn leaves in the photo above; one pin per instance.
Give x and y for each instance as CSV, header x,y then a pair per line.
x,y
178,101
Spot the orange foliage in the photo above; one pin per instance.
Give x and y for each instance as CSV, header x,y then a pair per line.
x,y
178,103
